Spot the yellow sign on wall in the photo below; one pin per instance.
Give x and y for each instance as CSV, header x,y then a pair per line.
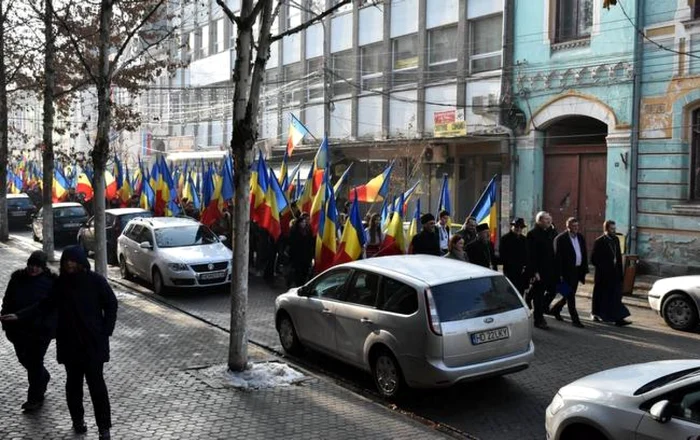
x,y
449,123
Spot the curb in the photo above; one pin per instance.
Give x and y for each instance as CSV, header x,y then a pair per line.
x,y
315,371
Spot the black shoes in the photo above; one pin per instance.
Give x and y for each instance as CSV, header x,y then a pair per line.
x,y
578,324
622,323
542,325
80,427
104,434
557,315
31,406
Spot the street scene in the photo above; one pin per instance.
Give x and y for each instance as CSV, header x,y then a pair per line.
x,y
472,219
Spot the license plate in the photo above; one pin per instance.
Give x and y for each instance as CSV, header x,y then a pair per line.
x,y
212,275
17,214
71,225
490,335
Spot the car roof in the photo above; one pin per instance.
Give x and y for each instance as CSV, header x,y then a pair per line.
x,y
167,222
125,211
66,205
427,269
17,196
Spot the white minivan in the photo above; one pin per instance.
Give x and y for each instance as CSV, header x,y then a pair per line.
x,y
411,320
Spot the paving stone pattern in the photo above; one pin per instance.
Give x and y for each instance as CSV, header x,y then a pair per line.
x,y
155,394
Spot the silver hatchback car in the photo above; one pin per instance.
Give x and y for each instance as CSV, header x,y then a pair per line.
x,y
412,320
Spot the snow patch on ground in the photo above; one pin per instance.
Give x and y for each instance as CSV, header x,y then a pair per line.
x,y
120,294
260,375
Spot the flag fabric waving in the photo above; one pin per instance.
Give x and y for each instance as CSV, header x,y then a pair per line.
x,y
258,189
444,201
376,189
327,233
394,241
320,165
297,131
343,178
486,209
353,239
318,205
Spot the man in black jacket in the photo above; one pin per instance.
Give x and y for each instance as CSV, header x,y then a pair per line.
x,y
572,266
87,314
480,251
607,290
513,255
541,267
427,240
31,338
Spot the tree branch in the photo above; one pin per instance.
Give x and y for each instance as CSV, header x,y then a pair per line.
x,y
229,13
76,46
130,35
308,23
250,19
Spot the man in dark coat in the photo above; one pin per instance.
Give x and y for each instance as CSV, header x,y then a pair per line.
x,y
87,314
31,337
302,245
427,240
513,255
480,251
607,292
541,268
572,266
468,230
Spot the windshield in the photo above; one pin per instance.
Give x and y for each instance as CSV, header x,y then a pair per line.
x,y
181,236
20,202
71,211
473,298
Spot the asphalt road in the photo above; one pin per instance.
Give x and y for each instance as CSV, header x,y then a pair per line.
x,y
511,407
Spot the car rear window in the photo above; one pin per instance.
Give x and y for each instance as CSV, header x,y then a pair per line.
x,y
124,219
72,211
21,202
473,298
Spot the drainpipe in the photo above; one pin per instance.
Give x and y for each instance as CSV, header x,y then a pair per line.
x,y
507,89
636,102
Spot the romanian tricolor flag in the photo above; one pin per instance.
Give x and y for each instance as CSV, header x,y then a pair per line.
x,y
60,185
306,199
394,241
110,186
297,131
444,203
276,203
258,189
353,239
486,209
415,225
326,240
318,206
321,162
343,178
376,189
125,191
227,189
406,197
213,209
148,196
84,186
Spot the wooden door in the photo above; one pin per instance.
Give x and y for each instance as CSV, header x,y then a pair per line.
x,y
574,186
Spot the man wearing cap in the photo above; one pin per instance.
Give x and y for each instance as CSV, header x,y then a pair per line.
x,y
427,240
513,253
31,337
480,251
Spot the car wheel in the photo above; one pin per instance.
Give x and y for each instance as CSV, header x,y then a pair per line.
x,y
680,312
159,287
288,334
387,374
581,432
124,270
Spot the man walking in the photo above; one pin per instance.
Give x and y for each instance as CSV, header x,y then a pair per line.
x,y
607,291
443,229
468,231
572,266
513,255
541,265
480,251
87,314
427,240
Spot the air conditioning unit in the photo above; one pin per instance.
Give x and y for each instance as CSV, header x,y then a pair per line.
x,y
435,154
483,104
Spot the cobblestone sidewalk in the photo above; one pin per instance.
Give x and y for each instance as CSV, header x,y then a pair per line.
x,y
157,393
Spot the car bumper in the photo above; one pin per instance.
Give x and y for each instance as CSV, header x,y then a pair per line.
x,y
194,279
433,373
550,424
655,301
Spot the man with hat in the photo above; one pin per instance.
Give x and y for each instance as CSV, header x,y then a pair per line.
x,y
480,251
427,240
31,337
513,253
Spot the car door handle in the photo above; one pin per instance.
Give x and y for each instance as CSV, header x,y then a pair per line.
x,y
326,312
366,321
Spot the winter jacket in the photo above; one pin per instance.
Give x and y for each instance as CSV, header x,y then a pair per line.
x,y
25,291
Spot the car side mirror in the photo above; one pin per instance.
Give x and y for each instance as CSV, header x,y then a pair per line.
x,y
304,291
661,411
223,238
146,245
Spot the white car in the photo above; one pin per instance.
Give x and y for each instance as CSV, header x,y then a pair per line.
x,y
651,401
173,252
677,300
412,320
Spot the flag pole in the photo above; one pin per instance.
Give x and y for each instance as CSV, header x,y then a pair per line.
x,y
483,194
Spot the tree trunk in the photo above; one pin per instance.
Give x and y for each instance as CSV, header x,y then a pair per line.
x,y
4,230
47,153
100,152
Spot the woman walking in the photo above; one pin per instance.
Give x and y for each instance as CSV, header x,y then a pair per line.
x,y
455,249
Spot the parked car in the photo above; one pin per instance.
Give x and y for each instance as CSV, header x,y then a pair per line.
x,y
655,400
68,217
19,210
411,321
172,252
115,221
677,299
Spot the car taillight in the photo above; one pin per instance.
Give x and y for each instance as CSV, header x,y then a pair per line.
x,y
433,318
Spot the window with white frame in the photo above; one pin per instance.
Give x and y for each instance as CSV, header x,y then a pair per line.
x,y
220,37
316,73
191,45
342,72
292,84
372,66
293,15
442,53
404,59
203,46
486,42
574,20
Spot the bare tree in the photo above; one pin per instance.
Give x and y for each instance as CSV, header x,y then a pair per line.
x,y
4,231
47,150
252,53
